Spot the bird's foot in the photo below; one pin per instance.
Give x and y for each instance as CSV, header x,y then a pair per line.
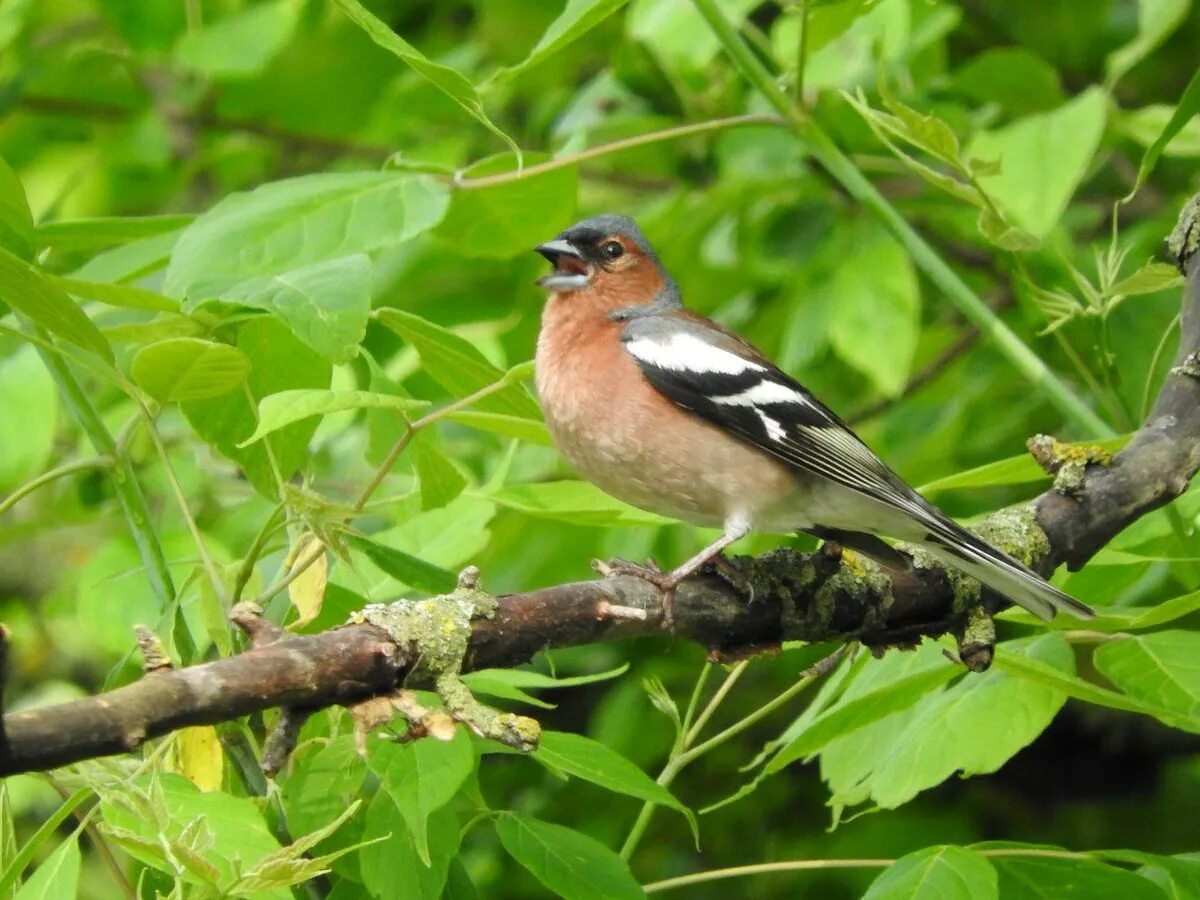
x,y
734,576
666,582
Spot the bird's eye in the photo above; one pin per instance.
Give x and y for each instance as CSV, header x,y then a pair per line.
x,y
611,249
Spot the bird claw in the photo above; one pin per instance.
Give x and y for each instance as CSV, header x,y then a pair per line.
x,y
651,573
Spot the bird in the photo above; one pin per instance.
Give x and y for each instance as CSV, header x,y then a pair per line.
x,y
673,413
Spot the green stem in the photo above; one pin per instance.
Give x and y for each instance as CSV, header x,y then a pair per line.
x,y
641,140
694,703
427,419
1155,362
121,475
684,755
722,692
210,565
791,865
838,165
256,548
801,865
802,53
79,465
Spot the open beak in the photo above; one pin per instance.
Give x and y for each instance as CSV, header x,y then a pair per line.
x,y
571,270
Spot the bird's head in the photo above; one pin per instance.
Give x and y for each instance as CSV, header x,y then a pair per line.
x,y
604,257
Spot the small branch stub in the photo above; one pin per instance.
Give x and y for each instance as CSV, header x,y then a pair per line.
x,y
248,616
154,655
1068,464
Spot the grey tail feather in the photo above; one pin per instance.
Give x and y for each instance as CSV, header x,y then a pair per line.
x,y
999,571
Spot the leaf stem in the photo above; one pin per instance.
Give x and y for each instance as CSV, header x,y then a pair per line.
x,y
121,475
801,53
801,865
79,465
428,419
791,865
837,164
684,754
210,565
722,692
640,140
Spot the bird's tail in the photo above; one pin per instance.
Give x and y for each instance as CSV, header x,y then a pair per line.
x,y
959,548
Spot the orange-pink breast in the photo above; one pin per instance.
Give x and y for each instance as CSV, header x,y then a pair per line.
x,y
627,438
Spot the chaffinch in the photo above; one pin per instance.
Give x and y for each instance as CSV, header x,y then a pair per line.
x,y
673,413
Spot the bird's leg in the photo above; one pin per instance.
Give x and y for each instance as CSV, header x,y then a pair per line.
x,y
667,582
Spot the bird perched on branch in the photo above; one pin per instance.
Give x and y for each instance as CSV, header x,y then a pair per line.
x,y
671,412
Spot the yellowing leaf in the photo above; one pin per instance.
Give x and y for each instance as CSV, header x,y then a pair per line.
x,y
307,591
199,756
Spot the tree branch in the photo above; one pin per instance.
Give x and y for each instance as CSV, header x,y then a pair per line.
x,y
811,597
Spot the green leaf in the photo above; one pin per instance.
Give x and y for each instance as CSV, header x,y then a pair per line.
x,y
1041,876
876,315
1013,77
57,876
294,223
863,710
531,431
1186,111
16,221
926,132
1043,159
130,261
1162,668
28,417
322,780
170,813
240,44
447,538
504,220
577,19
675,32
440,481
116,294
17,865
454,363
392,869
509,683
8,834
290,865
1149,279
278,362
325,304
13,16
1021,469
404,567
422,777
592,761
276,411
886,127
1072,686
1146,124
31,294
577,502
572,865
450,82
188,368
945,872
1157,19
92,234
1003,234
973,726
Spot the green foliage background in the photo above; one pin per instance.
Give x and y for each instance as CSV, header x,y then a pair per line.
x,y
241,242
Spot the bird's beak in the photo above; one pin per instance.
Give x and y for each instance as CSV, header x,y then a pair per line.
x,y
571,270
